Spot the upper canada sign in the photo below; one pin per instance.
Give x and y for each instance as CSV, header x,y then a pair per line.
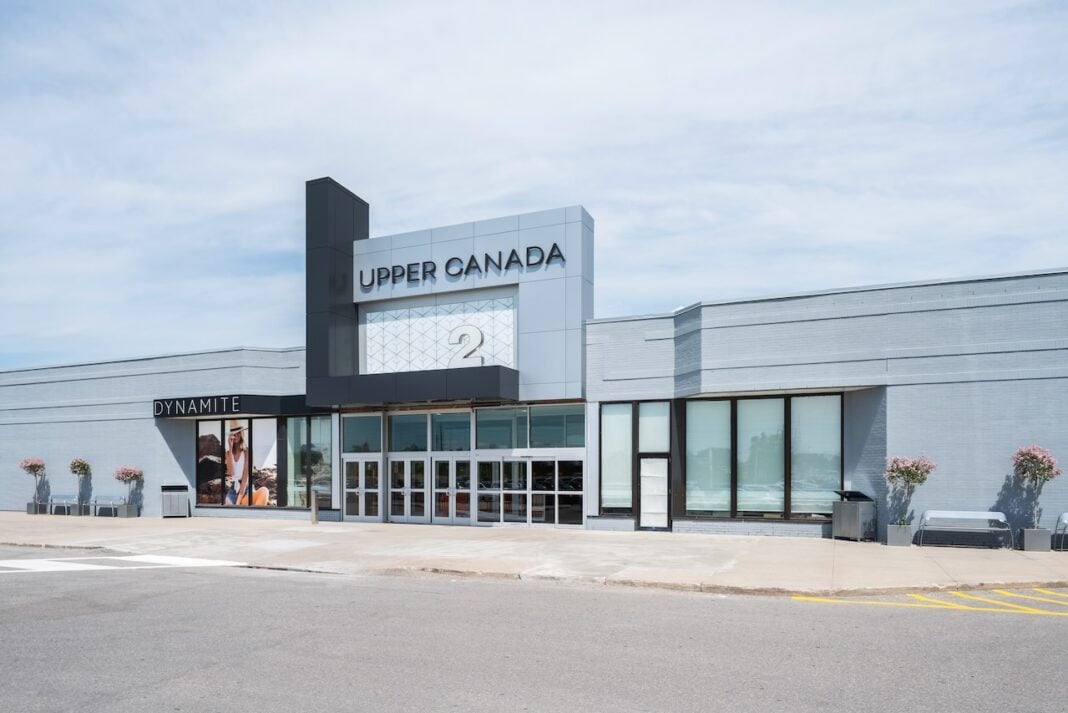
x,y
460,268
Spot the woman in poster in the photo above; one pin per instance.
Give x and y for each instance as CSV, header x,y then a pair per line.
x,y
237,466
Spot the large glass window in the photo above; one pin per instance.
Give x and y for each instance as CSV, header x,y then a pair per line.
x,y
616,457
320,460
450,431
238,484
296,475
265,462
407,432
209,463
561,426
761,465
654,427
501,428
815,453
361,434
708,456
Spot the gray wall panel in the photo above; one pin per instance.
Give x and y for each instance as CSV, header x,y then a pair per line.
x,y
103,413
965,371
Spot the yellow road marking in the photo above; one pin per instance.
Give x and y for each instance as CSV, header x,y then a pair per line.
x,y
884,604
1004,593
1050,591
996,602
951,605
942,605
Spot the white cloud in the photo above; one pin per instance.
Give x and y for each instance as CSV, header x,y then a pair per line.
x,y
153,157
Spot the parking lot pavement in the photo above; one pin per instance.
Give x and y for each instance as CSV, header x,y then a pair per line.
x,y
232,639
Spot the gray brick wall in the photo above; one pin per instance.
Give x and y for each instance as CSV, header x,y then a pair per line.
x,y
102,412
964,371
752,528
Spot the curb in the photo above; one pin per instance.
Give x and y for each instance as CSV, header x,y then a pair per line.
x,y
721,589
54,547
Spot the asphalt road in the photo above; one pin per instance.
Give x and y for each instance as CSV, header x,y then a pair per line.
x,y
232,639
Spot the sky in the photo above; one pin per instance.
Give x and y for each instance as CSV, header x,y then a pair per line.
x,y
153,156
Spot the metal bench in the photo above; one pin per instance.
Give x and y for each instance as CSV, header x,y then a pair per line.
x,y
65,501
107,501
1061,528
969,521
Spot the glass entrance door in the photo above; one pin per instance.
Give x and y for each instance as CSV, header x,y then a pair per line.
x,y
362,489
452,492
407,490
653,481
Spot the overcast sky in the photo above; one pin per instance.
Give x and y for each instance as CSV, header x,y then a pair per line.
x,y
153,158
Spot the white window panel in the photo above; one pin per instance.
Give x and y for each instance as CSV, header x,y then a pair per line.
x,y
417,338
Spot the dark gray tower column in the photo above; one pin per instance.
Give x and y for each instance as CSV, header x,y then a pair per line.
x,y
335,216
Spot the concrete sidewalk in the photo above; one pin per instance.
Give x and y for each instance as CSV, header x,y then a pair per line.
x,y
714,563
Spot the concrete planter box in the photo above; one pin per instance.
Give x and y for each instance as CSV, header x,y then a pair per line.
x,y
36,508
128,510
899,535
1036,540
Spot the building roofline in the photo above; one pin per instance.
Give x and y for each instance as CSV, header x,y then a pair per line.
x,y
150,357
564,208
833,291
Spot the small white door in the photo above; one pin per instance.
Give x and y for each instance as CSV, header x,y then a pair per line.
x,y
653,477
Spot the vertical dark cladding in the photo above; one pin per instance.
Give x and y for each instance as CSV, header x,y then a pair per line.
x,y
335,217
677,488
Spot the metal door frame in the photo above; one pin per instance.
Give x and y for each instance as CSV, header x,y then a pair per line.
x,y
408,459
667,491
452,490
361,461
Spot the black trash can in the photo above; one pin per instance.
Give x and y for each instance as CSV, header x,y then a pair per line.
x,y
853,517
175,501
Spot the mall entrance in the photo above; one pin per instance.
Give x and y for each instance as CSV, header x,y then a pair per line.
x,y
452,491
362,496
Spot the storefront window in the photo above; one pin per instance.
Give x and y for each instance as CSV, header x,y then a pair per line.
x,y
265,462
815,453
361,434
761,467
320,463
654,427
561,426
296,475
238,484
209,463
501,428
616,457
407,433
708,456
450,431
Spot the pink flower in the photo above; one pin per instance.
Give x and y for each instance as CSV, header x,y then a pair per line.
x,y
33,466
128,474
1035,463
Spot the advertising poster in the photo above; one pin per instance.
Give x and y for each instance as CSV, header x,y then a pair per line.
x,y
209,463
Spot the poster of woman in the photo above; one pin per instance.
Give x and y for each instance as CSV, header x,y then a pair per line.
x,y
241,491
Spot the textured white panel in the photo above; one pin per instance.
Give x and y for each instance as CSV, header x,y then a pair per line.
x,y
417,338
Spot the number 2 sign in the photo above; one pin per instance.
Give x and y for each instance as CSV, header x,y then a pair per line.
x,y
469,339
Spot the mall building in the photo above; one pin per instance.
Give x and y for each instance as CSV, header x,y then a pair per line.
x,y
458,376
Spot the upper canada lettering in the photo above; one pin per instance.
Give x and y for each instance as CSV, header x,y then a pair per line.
x,y
490,263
